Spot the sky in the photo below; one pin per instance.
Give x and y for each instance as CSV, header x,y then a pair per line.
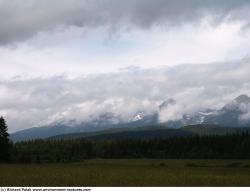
x,y
75,60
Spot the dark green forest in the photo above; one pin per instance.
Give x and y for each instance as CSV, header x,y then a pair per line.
x,y
45,151
229,146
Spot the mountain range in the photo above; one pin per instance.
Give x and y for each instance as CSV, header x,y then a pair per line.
x,y
233,115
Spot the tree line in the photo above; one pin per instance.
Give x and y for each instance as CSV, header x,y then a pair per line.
x,y
55,151
227,146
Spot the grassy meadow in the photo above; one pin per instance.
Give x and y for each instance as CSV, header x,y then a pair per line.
x,y
129,172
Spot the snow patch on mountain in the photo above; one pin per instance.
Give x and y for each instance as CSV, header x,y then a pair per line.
x,y
139,116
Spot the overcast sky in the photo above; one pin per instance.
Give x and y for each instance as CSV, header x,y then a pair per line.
x,y
71,59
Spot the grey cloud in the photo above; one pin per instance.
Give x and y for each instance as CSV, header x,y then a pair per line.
x,y
29,102
22,19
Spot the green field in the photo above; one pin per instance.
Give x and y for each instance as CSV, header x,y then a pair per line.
x,y
129,172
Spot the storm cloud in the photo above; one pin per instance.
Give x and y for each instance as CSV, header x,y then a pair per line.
x,y
23,19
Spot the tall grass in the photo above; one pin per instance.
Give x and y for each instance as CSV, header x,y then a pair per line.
x,y
129,172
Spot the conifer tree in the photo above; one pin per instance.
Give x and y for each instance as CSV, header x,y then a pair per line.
x,y
4,141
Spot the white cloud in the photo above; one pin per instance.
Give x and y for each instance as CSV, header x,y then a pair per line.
x,y
72,54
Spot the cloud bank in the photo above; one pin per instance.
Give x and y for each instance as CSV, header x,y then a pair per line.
x,y
29,102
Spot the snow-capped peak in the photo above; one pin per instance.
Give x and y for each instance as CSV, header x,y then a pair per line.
x,y
139,116
206,113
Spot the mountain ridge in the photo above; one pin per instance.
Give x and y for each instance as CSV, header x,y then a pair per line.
x,y
228,116
156,132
